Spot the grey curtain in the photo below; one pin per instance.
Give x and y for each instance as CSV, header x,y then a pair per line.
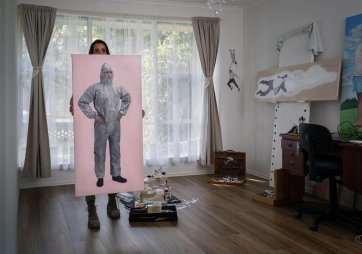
x,y
37,23
207,32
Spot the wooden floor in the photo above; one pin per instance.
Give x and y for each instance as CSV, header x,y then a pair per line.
x,y
223,220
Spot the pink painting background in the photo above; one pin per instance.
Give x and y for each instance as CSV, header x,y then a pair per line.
x,y
127,73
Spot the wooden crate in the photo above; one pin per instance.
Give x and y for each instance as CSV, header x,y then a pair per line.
x,y
230,164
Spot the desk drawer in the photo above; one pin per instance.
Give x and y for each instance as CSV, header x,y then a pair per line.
x,y
293,162
292,157
290,145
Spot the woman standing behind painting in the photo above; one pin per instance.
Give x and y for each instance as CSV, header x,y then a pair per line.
x,y
98,47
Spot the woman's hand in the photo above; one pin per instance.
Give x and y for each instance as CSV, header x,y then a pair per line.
x,y
71,108
98,119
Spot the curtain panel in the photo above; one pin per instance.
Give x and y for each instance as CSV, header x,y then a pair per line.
x,y
207,33
37,23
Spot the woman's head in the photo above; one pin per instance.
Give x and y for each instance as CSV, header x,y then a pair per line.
x,y
99,47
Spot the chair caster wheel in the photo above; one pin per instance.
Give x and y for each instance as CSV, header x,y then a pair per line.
x,y
313,227
298,215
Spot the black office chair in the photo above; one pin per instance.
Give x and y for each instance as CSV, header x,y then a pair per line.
x,y
320,164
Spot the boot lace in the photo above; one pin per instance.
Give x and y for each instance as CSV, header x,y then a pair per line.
x,y
92,212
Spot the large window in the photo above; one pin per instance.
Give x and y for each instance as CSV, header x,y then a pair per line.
x,y
171,83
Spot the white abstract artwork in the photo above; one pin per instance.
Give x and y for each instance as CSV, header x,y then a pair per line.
x,y
305,82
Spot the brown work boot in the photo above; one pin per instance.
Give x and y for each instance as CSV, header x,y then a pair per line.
x,y
112,209
93,221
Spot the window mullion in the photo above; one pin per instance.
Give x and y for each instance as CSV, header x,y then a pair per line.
x,y
154,46
89,30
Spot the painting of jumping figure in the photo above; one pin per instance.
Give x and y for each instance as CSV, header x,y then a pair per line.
x,y
232,74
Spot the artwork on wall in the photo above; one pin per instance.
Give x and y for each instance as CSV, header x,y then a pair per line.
x,y
305,82
351,95
232,74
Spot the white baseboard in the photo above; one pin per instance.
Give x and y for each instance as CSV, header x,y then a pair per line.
x,y
58,178
68,177
258,174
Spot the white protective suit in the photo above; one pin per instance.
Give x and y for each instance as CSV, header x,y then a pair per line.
x,y
109,100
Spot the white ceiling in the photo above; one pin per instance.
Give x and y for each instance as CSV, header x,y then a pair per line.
x,y
244,4
239,3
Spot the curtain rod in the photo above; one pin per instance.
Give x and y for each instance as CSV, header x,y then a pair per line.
x,y
122,15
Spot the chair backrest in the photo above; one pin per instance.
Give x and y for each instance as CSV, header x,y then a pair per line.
x,y
315,138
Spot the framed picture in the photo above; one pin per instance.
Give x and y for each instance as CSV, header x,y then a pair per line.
x,y
351,95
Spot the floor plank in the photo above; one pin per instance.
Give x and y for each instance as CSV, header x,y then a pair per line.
x,y
224,219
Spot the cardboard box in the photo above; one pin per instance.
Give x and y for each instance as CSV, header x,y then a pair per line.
x,y
279,195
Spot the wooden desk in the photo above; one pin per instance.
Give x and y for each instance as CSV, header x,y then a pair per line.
x,y
293,163
352,166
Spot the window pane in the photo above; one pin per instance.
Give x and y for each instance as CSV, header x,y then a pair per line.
x,y
171,83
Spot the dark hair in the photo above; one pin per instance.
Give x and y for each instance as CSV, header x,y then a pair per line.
x,y
94,43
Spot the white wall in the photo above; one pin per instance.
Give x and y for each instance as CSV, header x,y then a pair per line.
x,y
262,26
8,183
230,101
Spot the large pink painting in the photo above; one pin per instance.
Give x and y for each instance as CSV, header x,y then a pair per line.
x,y
126,72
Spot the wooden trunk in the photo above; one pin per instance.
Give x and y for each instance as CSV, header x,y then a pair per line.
x,y
229,163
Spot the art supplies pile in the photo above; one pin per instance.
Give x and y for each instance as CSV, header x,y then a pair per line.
x,y
154,203
227,180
